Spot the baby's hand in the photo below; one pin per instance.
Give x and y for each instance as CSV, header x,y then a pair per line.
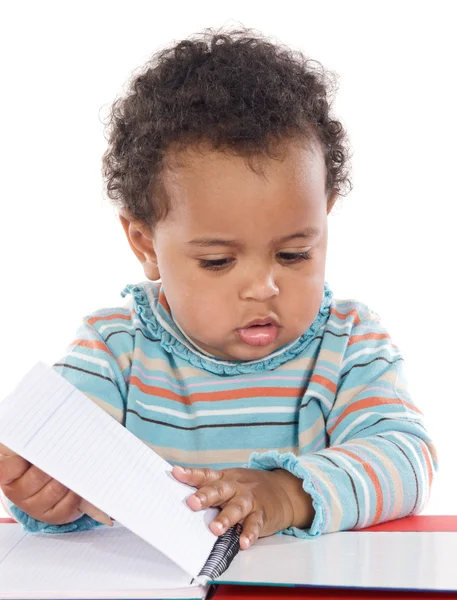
x,y
39,495
263,501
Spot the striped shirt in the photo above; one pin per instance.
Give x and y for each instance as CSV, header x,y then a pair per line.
x,y
331,407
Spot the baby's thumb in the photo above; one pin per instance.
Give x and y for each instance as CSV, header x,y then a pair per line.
x,y
96,514
12,466
4,451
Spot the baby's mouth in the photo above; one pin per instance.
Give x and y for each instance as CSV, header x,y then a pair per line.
x,y
261,333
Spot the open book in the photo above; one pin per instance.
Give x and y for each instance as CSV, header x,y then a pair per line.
x,y
109,562
57,428
114,563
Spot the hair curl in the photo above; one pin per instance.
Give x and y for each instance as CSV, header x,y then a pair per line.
x,y
234,90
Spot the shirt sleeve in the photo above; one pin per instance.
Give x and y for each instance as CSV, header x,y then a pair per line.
x,y
98,364
379,461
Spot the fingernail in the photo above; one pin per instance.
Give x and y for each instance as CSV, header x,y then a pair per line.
x,y
202,498
218,526
95,513
183,469
105,520
199,505
100,517
246,542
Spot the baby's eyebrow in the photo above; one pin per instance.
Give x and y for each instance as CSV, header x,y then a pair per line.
x,y
305,234
212,242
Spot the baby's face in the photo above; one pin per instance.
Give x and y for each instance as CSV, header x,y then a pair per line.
x,y
242,255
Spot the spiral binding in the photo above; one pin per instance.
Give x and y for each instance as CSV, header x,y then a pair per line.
x,y
224,551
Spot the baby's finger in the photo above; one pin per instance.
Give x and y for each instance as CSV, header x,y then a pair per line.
x,y
196,477
236,511
64,511
46,497
28,484
95,513
12,467
4,451
252,527
215,494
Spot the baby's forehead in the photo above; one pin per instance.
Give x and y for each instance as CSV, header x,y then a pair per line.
x,y
300,158
223,189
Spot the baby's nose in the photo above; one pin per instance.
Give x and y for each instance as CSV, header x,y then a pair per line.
x,y
260,287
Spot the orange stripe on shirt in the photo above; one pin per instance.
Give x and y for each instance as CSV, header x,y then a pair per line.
x,y
93,320
327,383
367,336
369,403
93,345
342,316
374,480
211,396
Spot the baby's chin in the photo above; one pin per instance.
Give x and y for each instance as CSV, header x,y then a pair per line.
x,y
236,349
243,352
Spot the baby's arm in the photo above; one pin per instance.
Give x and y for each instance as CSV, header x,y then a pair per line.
x,y
36,500
380,462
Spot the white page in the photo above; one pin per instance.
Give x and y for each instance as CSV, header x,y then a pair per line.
x,y
380,560
106,563
54,426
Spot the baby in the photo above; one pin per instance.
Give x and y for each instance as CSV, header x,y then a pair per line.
x,y
283,406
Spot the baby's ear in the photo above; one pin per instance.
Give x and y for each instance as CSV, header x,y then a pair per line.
x,y
140,239
333,197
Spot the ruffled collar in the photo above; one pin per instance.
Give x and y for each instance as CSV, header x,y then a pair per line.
x,y
151,305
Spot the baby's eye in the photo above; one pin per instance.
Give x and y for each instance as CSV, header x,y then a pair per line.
x,y
293,257
216,264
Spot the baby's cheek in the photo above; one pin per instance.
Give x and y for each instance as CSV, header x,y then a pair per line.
x,y
199,317
299,312
210,318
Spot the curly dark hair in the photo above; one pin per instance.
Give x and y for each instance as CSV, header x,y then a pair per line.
x,y
235,91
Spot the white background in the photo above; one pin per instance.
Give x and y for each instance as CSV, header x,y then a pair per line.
x,y
392,240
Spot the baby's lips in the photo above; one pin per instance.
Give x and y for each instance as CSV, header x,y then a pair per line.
x,y
259,335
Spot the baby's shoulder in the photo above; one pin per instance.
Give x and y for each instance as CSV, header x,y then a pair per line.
x,y
354,321
350,313
104,320
353,328
126,315
108,330
128,324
